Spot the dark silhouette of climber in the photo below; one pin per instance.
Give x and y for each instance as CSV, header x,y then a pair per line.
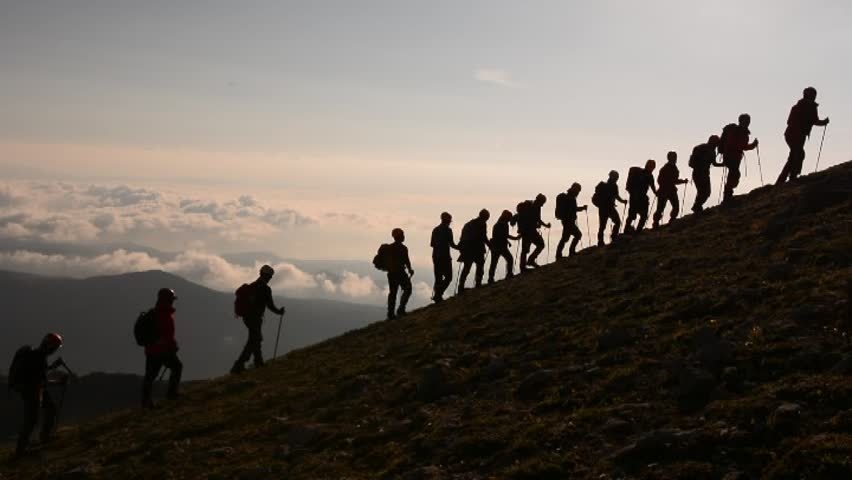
x,y
668,180
702,158
28,377
606,194
500,244
472,245
397,262
258,300
529,220
803,116
442,262
162,352
639,180
733,142
566,212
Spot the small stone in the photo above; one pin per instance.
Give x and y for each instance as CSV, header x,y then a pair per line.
x,y
617,426
221,452
786,417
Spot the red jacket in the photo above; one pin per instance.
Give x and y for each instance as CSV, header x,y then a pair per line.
x,y
165,330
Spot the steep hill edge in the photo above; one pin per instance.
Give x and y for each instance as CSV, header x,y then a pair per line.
x,y
714,346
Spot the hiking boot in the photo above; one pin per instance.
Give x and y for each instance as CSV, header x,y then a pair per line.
x,y
437,299
401,312
391,316
532,264
490,280
237,369
461,290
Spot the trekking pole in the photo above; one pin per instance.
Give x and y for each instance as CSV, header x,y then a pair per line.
x,y
588,231
820,148
548,244
722,184
683,202
162,374
760,168
458,274
278,336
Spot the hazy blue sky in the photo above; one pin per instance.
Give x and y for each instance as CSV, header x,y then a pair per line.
x,y
363,115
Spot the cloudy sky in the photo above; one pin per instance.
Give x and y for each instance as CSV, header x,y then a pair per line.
x,y
309,129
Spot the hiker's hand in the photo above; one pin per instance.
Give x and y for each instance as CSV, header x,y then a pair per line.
x,y
756,142
410,272
281,311
547,225
826,120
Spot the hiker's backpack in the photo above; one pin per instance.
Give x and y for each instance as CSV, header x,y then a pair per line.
x,y
727,141
524,212
561,212
382,259
244,300
695,158
633,176
598,196
145,328
16,369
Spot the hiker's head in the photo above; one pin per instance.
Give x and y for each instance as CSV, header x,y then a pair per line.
x,y
713,141
446,218
671,157
484,215
266,273
51,343
505,216
745,120
398,235
540,199
613,176
650,165
575,189
166,297
810,93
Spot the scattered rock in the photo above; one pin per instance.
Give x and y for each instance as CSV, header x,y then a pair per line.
x,y
733,379
615,338
496,368
617,426
786,417
433,384
657,444
221,452
844,366
534,383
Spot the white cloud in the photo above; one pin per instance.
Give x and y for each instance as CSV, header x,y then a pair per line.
x,y
495,76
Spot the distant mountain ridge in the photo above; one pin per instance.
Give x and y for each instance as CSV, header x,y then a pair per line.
x,y
96,317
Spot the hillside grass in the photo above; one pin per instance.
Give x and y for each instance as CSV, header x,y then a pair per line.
x,y
600,366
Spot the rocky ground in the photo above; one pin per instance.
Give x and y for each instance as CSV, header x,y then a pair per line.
x,y
713,348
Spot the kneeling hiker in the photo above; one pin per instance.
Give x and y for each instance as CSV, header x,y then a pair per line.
x,y
566,212
529,221
393,258
639,180
28,377
472,245
702,158
252,301
606,194
500,237
668,179
160,345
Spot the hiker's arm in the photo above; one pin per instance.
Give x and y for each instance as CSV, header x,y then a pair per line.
x,y
821,123
453,243
407,263
752,145
270,304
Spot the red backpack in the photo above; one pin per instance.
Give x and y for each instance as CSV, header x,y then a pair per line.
x,y
244,302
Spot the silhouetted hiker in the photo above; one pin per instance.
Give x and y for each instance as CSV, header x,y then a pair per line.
x,y
639,180
732,144
605,196
566,211
702,158
162,352
472,245
500,237
251,303
803,117
529,221
393,258
668,180
441,243
28,377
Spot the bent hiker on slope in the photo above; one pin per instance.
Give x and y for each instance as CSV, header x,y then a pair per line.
x,y
803,116
566,212
393,258
606,194
733,143
668,180
28,377
500,244
162,352
253,300
639,180
441,243
529,221
472,247
702,158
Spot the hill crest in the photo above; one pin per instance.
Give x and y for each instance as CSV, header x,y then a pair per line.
x,y
714,347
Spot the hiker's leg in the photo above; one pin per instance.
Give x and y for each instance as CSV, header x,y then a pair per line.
x,y
643,213
632,211
256,338
603,216
538,242
405,284
675,206
702,189
492,267
393,289
48,422
30,419
152,369
662,198
466,264
797,152
480,269
577,234
732,183
510,263
175,366
616,222
525,249
562,240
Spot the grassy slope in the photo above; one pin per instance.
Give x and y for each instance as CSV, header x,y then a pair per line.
x,y
440,395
